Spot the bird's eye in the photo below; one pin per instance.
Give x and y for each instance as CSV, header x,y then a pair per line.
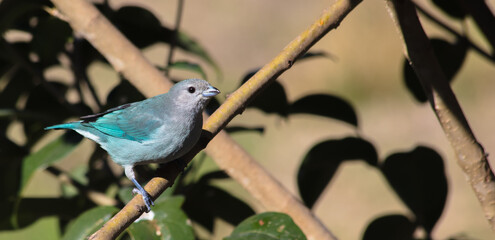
x,y
191,89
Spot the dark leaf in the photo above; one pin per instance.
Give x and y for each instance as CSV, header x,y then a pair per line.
x,y
267,226
212,106
260,130
271,100
206,178
326,106
205,202
449,56
453,8
310,55
123,93
419,179
10,175
144,32
31,209
322,161
49,38
88,222
40,100
184,65
390,227
20,82
16,14
190,45
148,30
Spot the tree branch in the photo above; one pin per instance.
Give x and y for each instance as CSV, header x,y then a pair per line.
x,y
470,154
85,19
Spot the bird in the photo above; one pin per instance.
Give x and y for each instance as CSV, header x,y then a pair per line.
x,y
159,129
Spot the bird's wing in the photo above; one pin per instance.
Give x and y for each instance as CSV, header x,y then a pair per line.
x,y
124,122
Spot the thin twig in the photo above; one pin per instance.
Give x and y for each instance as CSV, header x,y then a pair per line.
x,y
175,34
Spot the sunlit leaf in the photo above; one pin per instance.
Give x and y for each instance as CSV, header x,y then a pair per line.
x,y
267,226
419,179
88,222
322,161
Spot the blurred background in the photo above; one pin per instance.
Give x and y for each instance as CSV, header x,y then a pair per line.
x,y
364,66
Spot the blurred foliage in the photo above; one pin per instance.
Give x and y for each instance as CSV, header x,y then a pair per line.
x,y
28,97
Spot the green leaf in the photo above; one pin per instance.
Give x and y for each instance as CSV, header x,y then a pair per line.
x,y
52,152
326,106
267,226
419,179
171,220
322,161
184,65
143,230
43,228
88,222
390,227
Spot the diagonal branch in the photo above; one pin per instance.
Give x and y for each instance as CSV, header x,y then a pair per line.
x,y
85,19
471,156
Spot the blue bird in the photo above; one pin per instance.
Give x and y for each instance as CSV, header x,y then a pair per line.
x,y
156,130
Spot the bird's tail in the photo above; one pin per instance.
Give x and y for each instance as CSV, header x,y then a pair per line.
x,y
70,125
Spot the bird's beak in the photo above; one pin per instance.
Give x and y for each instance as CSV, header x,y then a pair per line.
x,y
210,92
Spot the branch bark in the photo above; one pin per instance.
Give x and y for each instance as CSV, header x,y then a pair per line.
x,y
85,19
471,156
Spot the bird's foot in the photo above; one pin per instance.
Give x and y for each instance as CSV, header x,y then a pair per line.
x,y
146,198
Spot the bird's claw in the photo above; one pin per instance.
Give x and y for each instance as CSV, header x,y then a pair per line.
x,y
146,198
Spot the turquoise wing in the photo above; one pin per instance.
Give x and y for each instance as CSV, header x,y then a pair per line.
x,y
124,122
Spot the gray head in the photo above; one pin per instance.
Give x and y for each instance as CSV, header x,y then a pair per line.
x,y
193,93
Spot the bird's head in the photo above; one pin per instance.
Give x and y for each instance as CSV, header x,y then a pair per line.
x,y
193,93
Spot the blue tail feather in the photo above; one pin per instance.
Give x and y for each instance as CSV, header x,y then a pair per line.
x,y
70,125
